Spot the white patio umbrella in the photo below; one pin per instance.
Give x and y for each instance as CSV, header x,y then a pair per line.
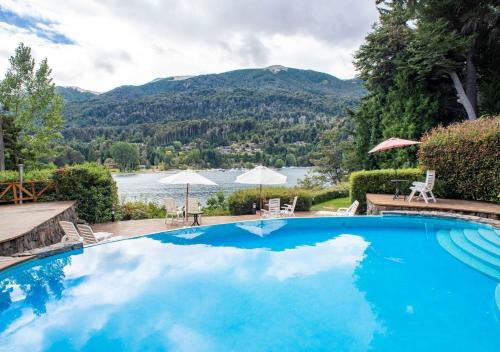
x,y
261,175
187,178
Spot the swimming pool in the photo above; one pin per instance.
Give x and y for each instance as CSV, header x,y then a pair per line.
x,y
390,283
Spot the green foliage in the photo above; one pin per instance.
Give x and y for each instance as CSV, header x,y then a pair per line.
x,y
279,163
125,155
136,210
216,205
35,109
92,186
405,63
379,181
466,157
29,175
240,202
207,143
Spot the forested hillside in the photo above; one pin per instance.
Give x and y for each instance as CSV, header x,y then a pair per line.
x,y
274,92
273,115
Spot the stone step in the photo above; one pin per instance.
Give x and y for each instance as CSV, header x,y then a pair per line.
x,y
444,239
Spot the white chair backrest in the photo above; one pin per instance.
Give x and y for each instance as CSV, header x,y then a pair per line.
x,y
292,209
193,205
70,231
170,206
87,233
274,205
353,207
429,179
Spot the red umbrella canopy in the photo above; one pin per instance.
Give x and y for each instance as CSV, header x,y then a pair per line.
x,y
392,143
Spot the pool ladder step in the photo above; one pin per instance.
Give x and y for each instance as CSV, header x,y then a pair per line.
x,y
475,254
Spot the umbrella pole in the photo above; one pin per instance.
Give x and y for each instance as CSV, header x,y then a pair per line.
x,y
260,197
186,203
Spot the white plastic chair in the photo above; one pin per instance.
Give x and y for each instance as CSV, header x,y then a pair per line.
x,y
70,232
90,236
351,211
273,208
172,210
289,209
424,189
193,207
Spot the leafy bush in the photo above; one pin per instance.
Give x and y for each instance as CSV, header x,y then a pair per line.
x,y
240,202
379,181
92,186
135,210
466,157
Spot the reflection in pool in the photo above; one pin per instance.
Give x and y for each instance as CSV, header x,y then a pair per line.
x,y
300,284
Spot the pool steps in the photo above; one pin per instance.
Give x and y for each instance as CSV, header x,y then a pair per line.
x,y
471,247
490,236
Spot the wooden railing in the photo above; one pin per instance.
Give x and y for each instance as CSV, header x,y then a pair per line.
x,y
28,191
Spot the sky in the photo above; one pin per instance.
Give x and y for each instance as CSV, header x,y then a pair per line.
x,y
102,44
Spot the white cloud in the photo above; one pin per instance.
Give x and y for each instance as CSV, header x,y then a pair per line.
x,y
132,42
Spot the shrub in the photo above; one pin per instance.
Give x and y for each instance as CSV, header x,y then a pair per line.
x,y
92,186
135,210
240,202
466,157
379,181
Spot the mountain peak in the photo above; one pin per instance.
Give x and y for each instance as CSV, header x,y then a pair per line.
x,y
275,68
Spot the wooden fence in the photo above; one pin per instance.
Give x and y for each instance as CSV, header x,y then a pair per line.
x,y
28,191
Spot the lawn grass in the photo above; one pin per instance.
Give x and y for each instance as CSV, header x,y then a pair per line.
x,y
332,204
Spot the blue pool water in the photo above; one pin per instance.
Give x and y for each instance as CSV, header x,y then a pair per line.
x,y
319,284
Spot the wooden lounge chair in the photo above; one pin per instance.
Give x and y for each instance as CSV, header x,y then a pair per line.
x,y
172,211
70,232
424,189
289,209
273,208
90,236
351,211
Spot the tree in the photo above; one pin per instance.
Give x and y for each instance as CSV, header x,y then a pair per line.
x,y
415,62
279,163
331,155
28,93
125,155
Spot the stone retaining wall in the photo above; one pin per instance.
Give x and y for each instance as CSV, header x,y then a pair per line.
x,y
43,235
375,209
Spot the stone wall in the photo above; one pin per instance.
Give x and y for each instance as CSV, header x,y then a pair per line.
x,y
374,209
43,235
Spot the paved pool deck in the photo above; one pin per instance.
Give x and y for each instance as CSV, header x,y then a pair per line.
x,y
141,227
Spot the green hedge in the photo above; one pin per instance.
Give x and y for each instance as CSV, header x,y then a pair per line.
x,y
379,181
240,202
92,186
136,210
466,157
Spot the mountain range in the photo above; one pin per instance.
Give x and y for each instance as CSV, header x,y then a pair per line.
x,y
264,94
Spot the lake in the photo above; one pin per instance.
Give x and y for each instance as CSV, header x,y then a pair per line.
x,y
145,186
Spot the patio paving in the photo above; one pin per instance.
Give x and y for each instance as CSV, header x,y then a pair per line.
x,y
142,227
